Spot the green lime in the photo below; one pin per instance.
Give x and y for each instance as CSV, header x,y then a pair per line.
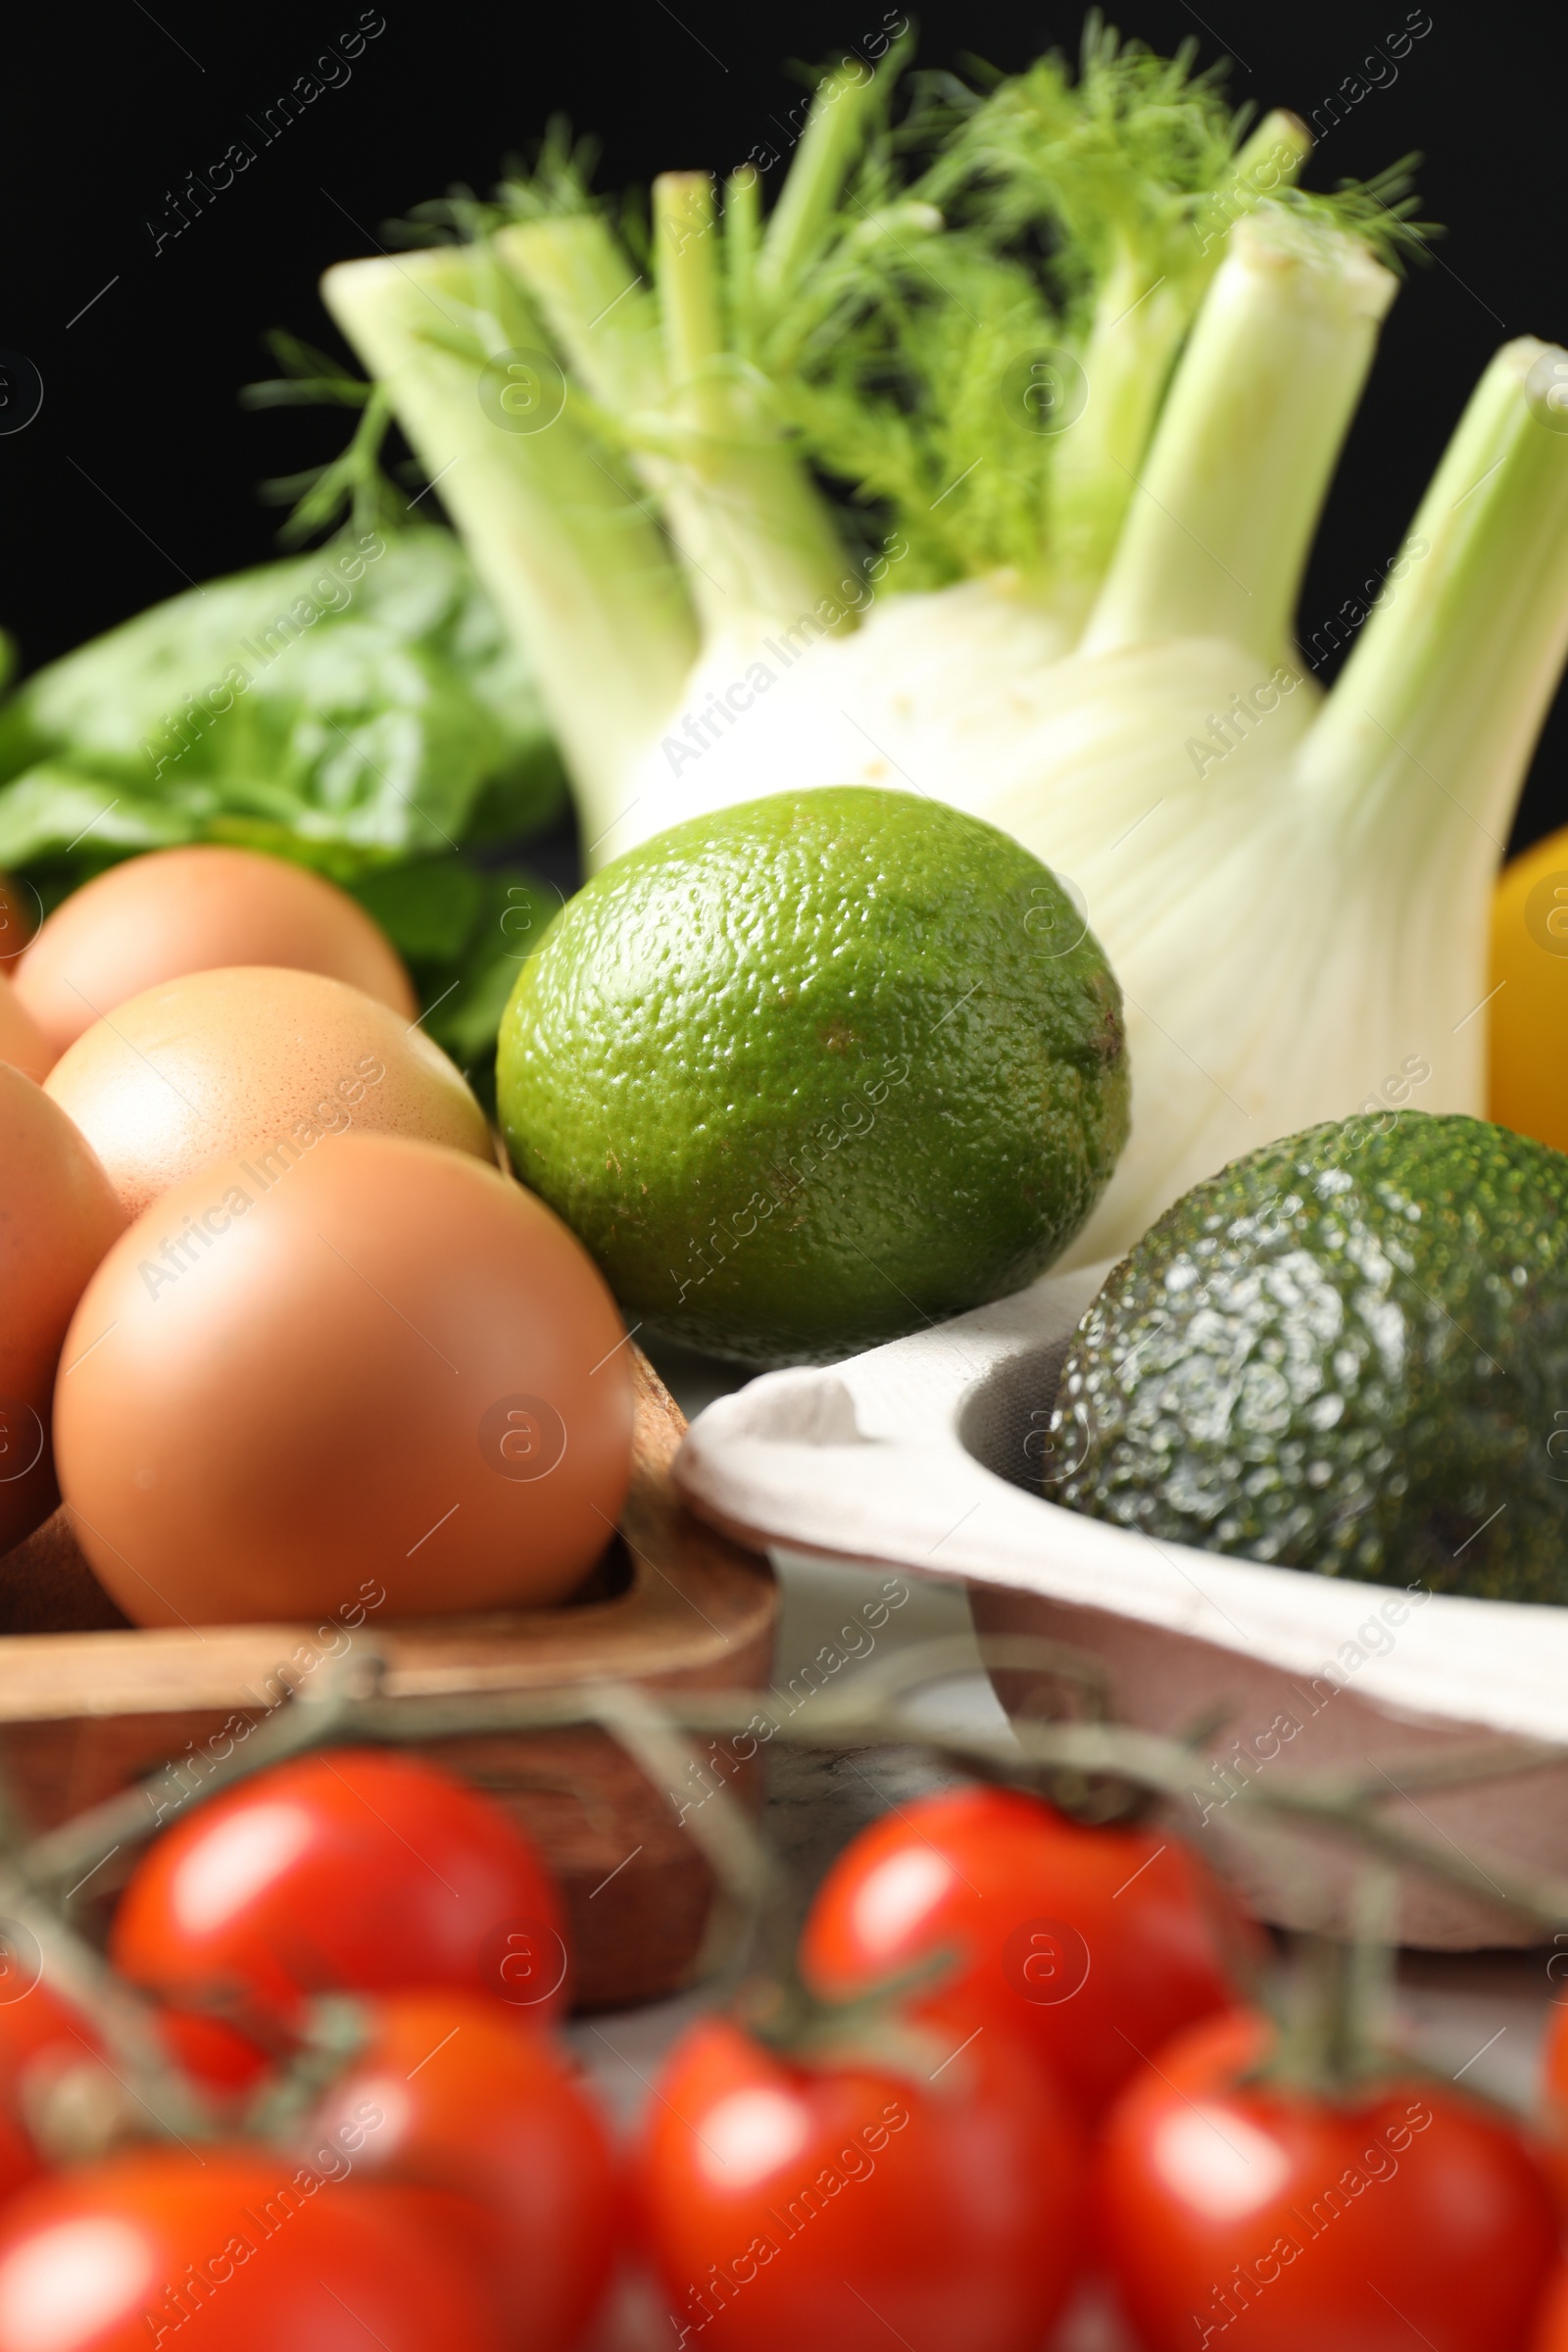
x,y
815,1071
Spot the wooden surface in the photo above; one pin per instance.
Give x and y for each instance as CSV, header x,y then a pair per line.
x,y
89,1703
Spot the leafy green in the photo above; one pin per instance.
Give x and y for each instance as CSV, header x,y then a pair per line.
x,y
359,710
464,933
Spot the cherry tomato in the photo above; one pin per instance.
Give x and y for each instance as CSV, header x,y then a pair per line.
x,y
243,2250
1550,2330
1244,2214
453,2093
1092,1946
42,2034
39,2022
225,2063
833,2208
44,2038
41,2028
355,1869
20,2160
1555,2106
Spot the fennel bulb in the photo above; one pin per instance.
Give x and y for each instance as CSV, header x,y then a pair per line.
x,y
1093,364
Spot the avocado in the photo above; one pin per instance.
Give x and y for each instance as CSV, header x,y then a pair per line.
x,y
1348,1353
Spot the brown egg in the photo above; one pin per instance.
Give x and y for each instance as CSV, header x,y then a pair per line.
x,y
22,1044
58,1215
389,1378
173,912
259,1061
20,913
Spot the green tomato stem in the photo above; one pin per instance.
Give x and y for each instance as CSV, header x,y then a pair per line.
x,y
1332,2008
1347,1808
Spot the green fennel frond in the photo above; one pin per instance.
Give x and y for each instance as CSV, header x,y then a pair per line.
x,y
555,179
936,244
353,490
1029,208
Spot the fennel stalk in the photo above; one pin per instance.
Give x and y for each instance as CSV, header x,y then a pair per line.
x,y
1090,366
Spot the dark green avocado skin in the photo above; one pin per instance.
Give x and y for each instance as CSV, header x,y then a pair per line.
x,y
1346,1352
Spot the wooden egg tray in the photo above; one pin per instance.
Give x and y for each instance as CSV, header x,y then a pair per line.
x,y
89,1703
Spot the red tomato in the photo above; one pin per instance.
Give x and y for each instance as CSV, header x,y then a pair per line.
x,y
224,2062
44,2037
243,2250
1550,2330
355,1870
1248,2215
1555,2115
20,2160
1092,1946
39,2022
828,2209
453,2093
41,2034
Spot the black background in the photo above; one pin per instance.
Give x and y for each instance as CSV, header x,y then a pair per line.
x,y
140,473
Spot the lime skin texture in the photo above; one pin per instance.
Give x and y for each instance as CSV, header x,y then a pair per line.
x,y
815,1071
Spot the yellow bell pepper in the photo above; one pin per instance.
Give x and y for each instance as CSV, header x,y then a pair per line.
x,y
1528,1081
